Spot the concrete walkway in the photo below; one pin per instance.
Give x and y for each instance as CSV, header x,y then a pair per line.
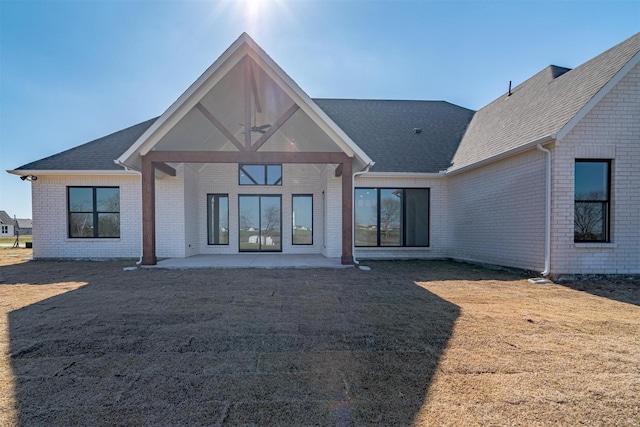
x,y
252,260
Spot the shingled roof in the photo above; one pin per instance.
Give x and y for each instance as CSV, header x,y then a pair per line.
x,y
385,131
5,218
539,107
98,154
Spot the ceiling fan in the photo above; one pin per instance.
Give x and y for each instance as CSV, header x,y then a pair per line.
x,y
259,129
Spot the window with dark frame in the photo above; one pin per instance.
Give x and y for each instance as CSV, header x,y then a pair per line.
x,y
94,212
592,200
302,219
260,174
218,219
391,217
5,229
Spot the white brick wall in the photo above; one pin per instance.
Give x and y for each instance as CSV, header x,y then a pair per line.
x,y
193,235
437,220
611,130
50,226
493,214
297,179
170,220
497,212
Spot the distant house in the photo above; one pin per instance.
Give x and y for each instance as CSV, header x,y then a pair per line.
x,y
24,226
544,178
7,225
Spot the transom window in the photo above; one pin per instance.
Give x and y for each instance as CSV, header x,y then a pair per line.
x,y
94,211
260,174
391,216
592,200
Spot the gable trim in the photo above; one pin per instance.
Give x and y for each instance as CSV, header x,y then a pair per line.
x,y
243,46
564,131
182,105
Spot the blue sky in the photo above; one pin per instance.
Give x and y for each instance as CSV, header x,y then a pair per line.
x,y
73,71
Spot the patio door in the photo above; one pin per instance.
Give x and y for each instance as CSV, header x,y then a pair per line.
x,y
260,223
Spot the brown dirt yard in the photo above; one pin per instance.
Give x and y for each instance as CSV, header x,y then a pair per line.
x,y
407,343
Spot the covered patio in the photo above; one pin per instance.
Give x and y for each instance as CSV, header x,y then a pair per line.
x,y
251,260
242,116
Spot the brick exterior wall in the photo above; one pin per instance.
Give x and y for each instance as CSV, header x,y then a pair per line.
x,y
492,214
438,244
50,221
296,179
497,212
611,130
193,234
170,220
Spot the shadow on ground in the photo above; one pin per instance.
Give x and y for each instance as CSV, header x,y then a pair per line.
x,y
621,288
213,347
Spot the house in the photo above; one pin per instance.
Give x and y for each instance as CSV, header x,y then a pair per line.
x,y
543,178
24,226
7,225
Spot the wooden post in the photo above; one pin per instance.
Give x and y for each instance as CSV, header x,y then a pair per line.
x,y
148,212
347,212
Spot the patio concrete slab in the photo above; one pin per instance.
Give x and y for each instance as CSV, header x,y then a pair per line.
x,y
252,260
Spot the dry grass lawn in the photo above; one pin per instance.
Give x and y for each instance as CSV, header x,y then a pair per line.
x,y
407,343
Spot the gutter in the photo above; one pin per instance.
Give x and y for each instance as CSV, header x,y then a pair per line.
x,y
128,169
504,155
353,216
547,207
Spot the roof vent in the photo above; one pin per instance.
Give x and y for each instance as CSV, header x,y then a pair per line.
x,y
417,130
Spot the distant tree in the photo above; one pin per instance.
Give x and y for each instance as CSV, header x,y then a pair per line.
x,y
389,214
245,220
588,216
271,218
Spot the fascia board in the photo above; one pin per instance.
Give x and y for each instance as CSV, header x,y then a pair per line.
x,y
305,103
429,175
503,155
564,131
50,172
187,100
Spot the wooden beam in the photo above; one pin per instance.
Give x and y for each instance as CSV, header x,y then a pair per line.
x,y
220,126
347,213
247,157
148,212
339,170
254,88
277,125
247,104
163,167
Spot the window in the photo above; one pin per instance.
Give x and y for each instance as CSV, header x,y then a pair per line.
x,y
592,200
391,217
260,174
218,219
5,229
94,211
302,219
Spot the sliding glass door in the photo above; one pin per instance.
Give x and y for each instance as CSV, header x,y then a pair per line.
x,y
260,223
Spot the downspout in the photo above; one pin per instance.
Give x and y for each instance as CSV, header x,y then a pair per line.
x,y
119,163
353,216
547,227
